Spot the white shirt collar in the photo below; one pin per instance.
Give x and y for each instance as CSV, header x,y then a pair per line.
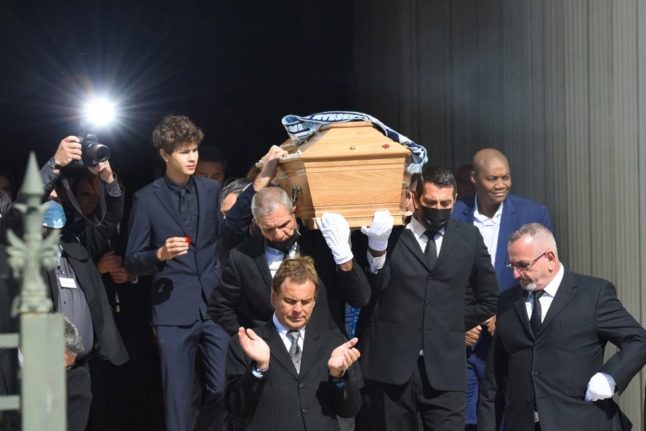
x,y
554,284
282,330
483,218
419,230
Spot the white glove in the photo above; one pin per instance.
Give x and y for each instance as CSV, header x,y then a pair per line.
x,y
600,387
379,230
336,231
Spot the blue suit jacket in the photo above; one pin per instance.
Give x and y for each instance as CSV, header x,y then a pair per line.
x,y
181,286
516,212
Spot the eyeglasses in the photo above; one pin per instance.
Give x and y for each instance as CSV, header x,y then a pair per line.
x,y
524,266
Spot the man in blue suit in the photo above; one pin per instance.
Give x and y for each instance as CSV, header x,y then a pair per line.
x,y
497,214
174,225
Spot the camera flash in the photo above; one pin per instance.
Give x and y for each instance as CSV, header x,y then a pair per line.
x,y
99,112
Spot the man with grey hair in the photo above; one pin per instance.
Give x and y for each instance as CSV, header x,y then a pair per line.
x,y
243,296
548,349
73,342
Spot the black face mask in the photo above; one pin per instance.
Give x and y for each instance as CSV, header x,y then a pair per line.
x,y
285,245
435,219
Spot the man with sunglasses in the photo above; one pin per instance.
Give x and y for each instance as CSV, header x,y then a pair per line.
x,y
547,354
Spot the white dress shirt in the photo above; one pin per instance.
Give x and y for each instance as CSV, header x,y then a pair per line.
x,y
282,331
547,297
275,257
419,232
489,229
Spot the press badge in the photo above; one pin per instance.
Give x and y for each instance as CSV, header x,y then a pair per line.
x,y
67,282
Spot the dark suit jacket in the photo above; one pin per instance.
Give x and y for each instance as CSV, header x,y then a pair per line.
x,y
419,307
558,363
180,286
243,296
108,341
516,212
284,400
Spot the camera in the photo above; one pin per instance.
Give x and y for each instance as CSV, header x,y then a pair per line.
x,y
92,151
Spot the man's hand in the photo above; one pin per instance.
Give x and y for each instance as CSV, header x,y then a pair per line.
x,y
472,336
490,323
109,262
254,347
343,357
336,231
269,167
104,171
120,276
69,149
173,247
600,387
379,230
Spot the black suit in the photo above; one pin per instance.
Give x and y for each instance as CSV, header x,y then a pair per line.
x,y
557,364
283,399
419,307
243,296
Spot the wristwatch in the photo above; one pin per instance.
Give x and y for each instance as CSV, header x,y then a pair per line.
x,y
52,163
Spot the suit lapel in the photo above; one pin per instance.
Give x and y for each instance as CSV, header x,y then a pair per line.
x,y
78,254
260,259
311,351
165,199
409,242
469,209
507,223
448,242
202,209
566,292
521,311
278,349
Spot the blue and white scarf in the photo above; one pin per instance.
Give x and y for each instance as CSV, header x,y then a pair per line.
x,y
300,129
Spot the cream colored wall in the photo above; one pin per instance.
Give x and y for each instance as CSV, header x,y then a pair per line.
x,y
558,85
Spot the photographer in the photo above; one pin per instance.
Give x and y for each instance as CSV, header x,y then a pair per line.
x,y
78,187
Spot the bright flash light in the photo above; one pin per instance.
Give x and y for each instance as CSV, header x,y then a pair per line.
x,y
99,112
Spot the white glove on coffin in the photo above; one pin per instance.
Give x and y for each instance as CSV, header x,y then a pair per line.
x,y
379,230
336,231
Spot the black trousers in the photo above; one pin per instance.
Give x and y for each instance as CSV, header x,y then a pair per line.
x,y
403,407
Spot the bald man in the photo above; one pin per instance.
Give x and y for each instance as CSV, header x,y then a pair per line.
x,y
496,213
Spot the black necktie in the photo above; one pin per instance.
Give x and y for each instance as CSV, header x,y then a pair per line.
x,y
536,320
431,249
185,210
295,351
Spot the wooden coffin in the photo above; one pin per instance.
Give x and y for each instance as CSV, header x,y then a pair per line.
x,y
349,168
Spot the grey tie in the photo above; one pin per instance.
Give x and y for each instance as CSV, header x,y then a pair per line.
x,y
295,351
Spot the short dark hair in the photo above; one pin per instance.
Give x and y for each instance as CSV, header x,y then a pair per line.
x,y
211,153
175,131
440,177
299,269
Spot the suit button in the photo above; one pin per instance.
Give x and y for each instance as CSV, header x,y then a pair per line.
x,y
301,386
304,410
534,373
